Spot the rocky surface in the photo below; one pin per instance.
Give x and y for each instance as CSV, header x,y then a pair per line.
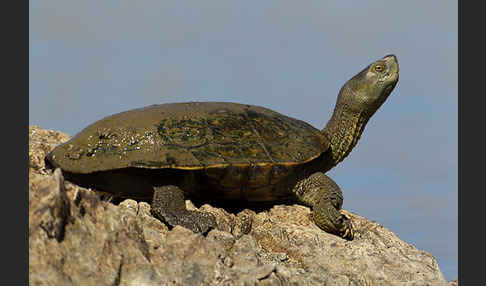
x,y
453,283
75,238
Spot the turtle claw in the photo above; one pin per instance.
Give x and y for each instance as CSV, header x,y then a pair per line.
x,y
346,230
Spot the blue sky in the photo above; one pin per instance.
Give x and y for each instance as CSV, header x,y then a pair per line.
x,y
89,59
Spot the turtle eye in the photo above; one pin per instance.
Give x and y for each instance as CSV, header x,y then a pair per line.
x,y
379,68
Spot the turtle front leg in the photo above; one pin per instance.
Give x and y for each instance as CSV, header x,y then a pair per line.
x,y
324,196
168,205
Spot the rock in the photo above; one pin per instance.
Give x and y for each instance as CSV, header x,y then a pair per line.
x,y
453,283
77,238
41,141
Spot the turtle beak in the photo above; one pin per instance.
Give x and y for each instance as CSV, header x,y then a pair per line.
x,y
393,69
392,61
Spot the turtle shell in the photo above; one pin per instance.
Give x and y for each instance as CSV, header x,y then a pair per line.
x,y
233,143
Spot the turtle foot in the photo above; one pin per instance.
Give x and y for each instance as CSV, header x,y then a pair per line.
x,y
168,206
346,228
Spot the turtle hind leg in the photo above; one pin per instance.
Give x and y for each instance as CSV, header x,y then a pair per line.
x,y
325,198
168,205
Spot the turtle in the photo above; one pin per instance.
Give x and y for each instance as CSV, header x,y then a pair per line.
x,y
226,152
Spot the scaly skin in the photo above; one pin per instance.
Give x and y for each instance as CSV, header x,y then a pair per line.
x,y
358,100
325,197
168,205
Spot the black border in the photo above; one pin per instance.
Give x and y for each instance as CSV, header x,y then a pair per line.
x,y
21,62
471,146
15,142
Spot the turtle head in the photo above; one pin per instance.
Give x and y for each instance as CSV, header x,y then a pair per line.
x,y
366,91
358,100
